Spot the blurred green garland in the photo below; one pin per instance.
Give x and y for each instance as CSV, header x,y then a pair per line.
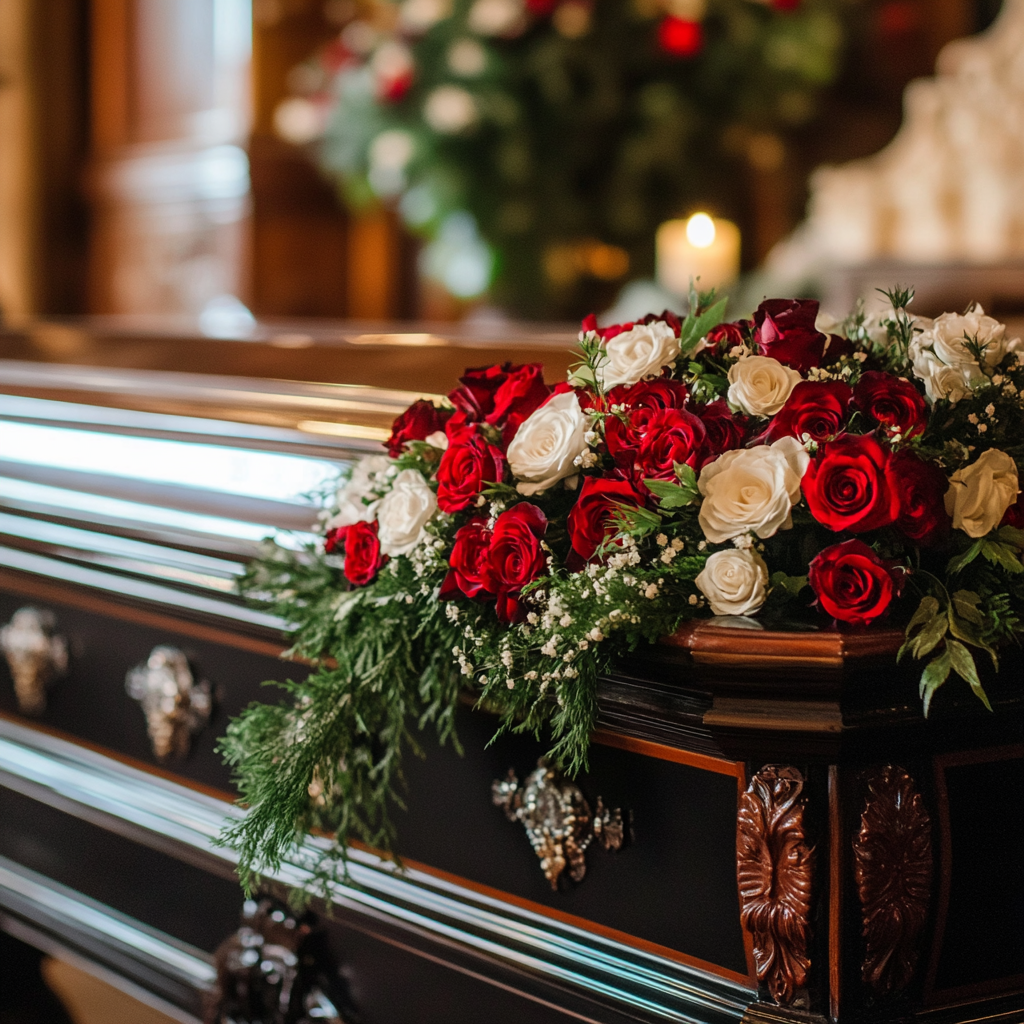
x,y
537,144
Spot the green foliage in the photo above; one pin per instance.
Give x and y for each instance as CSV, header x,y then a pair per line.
x,y
594,135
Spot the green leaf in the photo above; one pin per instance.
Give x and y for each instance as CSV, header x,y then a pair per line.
x,y
929,637
1002,555
1011,535
791,584
935,673
671,495
963,665
925,611
695,327
966,604
960,562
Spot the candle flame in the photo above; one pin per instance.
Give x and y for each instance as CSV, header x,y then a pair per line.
x,y
700,231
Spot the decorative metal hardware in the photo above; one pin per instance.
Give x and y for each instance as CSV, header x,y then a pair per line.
x,y
175,705
892,855
774,868
557,819
36,654
274,970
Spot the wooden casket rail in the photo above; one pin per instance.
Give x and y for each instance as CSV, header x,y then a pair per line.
x,y
407,355
128,503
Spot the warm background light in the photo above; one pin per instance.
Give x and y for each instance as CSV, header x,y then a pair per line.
x,y
700,231
701,248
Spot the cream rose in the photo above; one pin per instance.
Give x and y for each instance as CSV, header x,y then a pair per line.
x,y
941,358
642,351
734,582
403,512
980,494
356,498
547,443
751,490
760,385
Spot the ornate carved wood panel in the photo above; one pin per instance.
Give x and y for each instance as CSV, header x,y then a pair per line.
x,y
893,869
774,866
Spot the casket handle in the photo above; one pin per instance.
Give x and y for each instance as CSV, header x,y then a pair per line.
x,y
275,969
175,705
36,655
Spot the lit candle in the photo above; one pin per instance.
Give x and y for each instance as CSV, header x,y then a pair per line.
x,y
697,248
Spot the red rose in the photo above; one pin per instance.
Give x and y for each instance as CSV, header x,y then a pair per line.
x,y
725,429
784,329
521,393
852,583
848,485
475,399
516,557
893,402
417,423
641,402
468,561
362,551
922,489
815,408
590,519
671,436
466,466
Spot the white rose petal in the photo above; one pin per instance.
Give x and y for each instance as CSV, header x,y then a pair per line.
x,y
547,444
367,477
751,490
403,513
640,352
980,494
734,582
941,358
760,385
438,439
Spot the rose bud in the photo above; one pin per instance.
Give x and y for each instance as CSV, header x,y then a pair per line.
x,y
362,553
849,486
852,583
784,329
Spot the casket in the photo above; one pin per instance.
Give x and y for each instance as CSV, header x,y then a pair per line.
x,y
768,829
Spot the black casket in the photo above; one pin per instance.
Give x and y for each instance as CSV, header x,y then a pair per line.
x,y
769,831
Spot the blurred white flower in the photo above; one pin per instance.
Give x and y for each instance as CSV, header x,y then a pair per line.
x,y
299,121
450,109
467,58
422,15
497,17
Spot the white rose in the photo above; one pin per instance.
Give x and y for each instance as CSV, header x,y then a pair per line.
x,y
760,385
403,512
980,494
642,351
751,490
734,582
547,443
941,358
356,498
